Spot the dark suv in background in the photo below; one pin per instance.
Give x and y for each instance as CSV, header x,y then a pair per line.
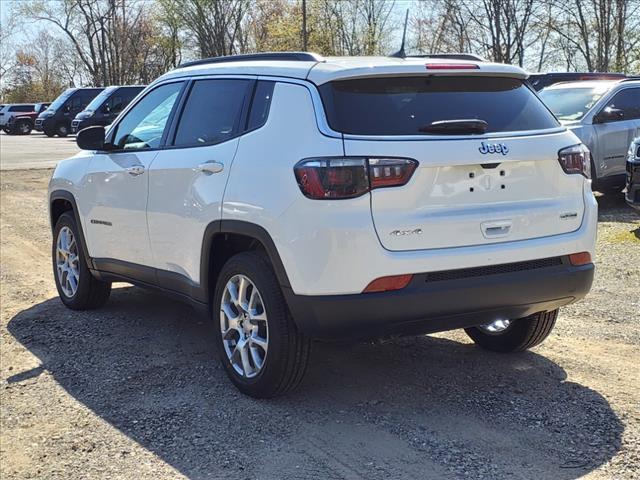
x,y
104,108
56,120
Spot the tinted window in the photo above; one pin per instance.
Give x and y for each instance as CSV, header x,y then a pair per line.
x,y
21,108
627,100
142,127
212,112
260,105
404,105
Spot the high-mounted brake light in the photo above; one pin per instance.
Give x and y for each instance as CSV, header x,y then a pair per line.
x,y
452,66
330,178
576,159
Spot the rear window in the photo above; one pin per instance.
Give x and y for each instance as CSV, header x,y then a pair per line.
x,y
404,105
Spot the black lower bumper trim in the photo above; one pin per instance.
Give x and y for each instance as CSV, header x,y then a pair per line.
x,y
433,306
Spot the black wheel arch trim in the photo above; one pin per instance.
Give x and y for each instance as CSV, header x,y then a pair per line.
x,y
240,227
68,196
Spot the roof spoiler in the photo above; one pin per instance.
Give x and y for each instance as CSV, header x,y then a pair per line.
x,y
270,56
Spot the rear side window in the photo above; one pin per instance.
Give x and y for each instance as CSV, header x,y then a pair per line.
x,y
212,112
260,104
404,105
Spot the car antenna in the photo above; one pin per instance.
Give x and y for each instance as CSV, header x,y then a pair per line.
x,y
400,53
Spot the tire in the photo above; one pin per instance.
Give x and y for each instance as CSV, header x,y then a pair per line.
x,y
521,334
22,127
285,359
62,129
49,133
90,293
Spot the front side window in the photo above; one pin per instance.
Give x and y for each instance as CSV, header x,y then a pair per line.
x,y
212,112
143,125
627,102
412,105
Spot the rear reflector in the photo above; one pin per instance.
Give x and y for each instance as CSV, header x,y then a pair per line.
x,y
452,66
582,258
386,284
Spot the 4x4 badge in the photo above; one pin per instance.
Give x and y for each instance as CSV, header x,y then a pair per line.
x,y
493,148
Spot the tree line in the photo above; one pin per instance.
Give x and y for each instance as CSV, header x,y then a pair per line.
x,y
113,42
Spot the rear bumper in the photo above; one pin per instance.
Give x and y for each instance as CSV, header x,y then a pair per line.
x,y
443,301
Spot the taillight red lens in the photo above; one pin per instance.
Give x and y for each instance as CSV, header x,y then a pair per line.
x,y
386,284
576,159
349,177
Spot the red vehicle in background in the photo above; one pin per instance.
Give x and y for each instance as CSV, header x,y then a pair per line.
x,y
23,123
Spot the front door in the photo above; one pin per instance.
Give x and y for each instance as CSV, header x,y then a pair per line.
x,y
187,180
615,135
117,182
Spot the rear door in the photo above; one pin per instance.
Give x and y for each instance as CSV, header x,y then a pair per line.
x,y
614,136
469,189
187,180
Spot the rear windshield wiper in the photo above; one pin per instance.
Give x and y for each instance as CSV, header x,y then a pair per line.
x,y
456,127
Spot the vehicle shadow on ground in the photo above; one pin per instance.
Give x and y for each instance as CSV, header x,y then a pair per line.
x,y
146,365
612,207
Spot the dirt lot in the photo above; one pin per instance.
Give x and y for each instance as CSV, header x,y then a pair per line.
x,y
134,391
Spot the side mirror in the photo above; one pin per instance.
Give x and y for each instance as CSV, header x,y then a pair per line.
x,y
106,108
609,114
91,138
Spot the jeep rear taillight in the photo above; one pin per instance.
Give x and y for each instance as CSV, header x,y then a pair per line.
x,y
576,159
329,178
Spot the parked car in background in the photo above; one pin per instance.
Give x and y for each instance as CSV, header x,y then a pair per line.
x,y
23,124
104,108
11,110
633,174
542,80
56,120
605,115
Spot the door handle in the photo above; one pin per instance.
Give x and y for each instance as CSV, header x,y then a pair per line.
x,y
136,170
210,167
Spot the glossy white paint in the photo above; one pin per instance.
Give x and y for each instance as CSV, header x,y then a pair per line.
x,y
456,202
112,193
183,200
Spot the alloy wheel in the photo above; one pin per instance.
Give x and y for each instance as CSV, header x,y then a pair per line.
x,y
243,324
67,266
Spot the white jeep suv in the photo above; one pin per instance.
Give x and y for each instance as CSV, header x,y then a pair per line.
x,y
292,197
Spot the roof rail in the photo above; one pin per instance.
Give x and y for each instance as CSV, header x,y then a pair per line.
x,y
630,79
452,56
277,56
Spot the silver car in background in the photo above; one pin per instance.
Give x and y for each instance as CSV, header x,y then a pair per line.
x,y
605,115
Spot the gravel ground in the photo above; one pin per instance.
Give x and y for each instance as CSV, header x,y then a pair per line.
x,y
134,391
